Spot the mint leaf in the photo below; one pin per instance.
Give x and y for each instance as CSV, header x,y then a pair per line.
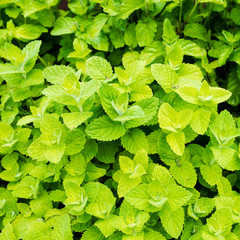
x,y
172,221
100,199
165,76
176,142
104,129
134,140
196,30
145,32
99,69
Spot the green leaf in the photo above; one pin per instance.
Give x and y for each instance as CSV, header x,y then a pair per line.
x,y
220,221
138,197
7,233
191,48
206,95
77,165
125,184
6,137
220,2
101,42
27,188
234,14
189,72
34,77
99,68
172,120
97,25
157,194
37,230
223,130
154,141
196,30
63,25
149,106
74,142
145,32
129,6
53,153
106,152
62,229
92,233
175,56
126,164
230,37
139,92
184,173
211,173
74,119
36,150
233,86
12,12
224,187
153,235
200,121
172,221
90,149
189,94
100,199
130,219
134,140
92,172
223,155
59,94
57,73
141,158
105,225
131,113
117,38
177,196
104,129
57,196
41,205
130,36
165,76
28,32
221,51
78,7
76,197
30,52
169,35
109,95
203,206
81,49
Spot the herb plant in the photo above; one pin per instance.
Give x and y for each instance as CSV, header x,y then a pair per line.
x,y
119,119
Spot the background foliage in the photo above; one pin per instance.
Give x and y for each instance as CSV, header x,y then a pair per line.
x,y
119,120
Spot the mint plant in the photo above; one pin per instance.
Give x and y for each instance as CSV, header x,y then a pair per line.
x,y
119,119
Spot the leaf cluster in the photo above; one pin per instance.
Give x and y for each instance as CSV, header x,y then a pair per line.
x,y
119,120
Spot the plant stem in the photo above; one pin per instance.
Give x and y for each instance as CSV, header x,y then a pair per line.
x,y
81,2
51,16
190,14
146,9
42,61
180,17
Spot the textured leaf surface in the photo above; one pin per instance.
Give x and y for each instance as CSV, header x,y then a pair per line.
x,y
173,221
145,32
165,76
99,68
105,129
134,140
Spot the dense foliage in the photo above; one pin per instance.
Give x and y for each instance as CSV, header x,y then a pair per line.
x,y
119,120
